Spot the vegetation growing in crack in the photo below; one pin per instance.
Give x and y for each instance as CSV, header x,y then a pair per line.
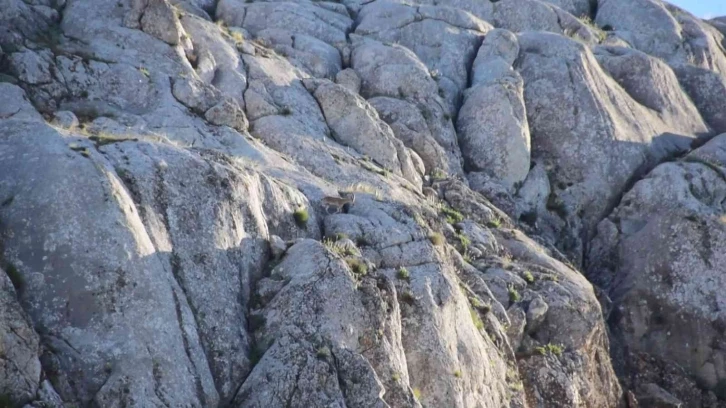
x,y
514,295
476,319
599,33
357,266
551,349
528,277
452,216
301,217
437,239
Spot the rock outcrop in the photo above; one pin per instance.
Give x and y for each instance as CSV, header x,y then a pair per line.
x,y
167,237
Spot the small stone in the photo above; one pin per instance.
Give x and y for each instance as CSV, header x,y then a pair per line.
x,y
349,79
227,113
64,119
536,313
277,246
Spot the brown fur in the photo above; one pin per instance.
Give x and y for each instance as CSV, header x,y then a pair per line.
x,y
338,202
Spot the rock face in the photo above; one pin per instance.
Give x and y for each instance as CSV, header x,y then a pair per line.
x,y
19,366
361,204
660,262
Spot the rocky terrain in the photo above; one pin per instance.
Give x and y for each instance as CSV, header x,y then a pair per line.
x,y
539,215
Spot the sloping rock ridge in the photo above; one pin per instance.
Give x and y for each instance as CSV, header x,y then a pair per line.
x,y
380,203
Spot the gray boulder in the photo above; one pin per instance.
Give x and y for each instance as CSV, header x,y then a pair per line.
x,y
353,122
395,72
492,123
591,145
656,256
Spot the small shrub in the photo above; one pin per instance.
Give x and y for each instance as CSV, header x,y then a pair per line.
x,y
144,71
237,37
403,273
465,241
417,393
323,353
494,223
452,216
357,266
301,217
16,278
528,277
475,302
438,174
396,377
601,35
457,374
479,305
437,239
514,296
466,256
552,349
332,246
517,386
338,236
553,278
408,297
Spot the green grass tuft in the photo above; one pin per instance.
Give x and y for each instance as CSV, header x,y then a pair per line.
x,y
438,174
494,223
408,297
552,349
476,319
452,216
301,217
357,266
514,296
403,273
528,277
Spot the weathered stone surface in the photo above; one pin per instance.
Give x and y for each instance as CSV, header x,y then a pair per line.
x,y
92,276
492,123
591,136
656,255
177,248
353,122
298,18
395,72
664,31
19,344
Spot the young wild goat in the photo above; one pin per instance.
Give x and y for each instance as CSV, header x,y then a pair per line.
x,y
339,203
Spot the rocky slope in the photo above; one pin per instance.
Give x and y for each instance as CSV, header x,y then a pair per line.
x,y
539,215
